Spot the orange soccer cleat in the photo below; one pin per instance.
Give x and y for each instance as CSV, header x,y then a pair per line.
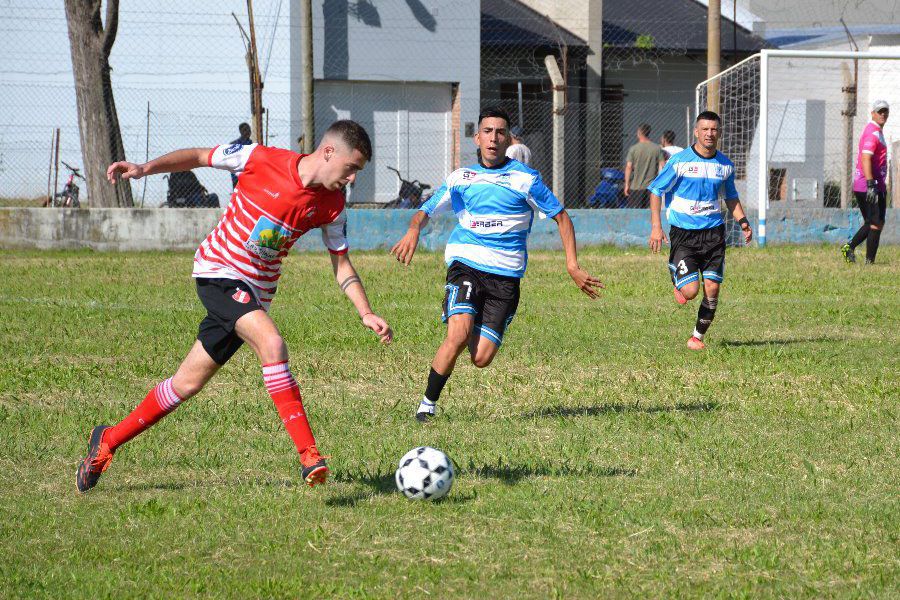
x,y
96,462
315,470
696,343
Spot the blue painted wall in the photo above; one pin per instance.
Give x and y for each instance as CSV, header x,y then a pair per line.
x,y
370,229
114,229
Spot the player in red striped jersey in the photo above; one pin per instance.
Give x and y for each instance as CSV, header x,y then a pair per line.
x,y
279,196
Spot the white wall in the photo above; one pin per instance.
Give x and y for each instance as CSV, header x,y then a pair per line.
x,y
414,42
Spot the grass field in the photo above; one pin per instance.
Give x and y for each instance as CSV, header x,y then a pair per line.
x,y
596,457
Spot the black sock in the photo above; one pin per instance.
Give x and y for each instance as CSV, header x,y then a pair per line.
x,y
705,315
436,383
860,235
872,244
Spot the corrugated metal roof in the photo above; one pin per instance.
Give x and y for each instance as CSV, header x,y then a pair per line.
x,y
511,23
668,25
678,25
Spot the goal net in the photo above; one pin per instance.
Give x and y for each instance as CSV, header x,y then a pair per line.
x,y
808,109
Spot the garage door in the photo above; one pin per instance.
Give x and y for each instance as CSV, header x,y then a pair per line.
x,y
410,127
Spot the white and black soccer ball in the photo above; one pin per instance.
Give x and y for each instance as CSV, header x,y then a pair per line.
x,y
424,473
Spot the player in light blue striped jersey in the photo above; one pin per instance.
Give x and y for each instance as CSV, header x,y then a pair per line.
x,y
694,181
494,202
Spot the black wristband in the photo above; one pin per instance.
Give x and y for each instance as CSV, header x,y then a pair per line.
x,y
743,221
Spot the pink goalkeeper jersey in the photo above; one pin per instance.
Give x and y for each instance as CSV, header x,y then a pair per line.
x,y
269,211
872,143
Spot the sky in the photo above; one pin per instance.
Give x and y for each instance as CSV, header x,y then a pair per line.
x,y
187,62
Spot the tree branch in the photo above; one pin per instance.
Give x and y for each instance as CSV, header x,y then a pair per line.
x,y
112,26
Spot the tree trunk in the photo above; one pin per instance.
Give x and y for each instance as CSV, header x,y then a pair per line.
x,y
98,123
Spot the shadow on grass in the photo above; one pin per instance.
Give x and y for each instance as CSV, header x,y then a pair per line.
x,y
776,342
608,409
217,483
508,474
380,484
384,484
352,499
512,474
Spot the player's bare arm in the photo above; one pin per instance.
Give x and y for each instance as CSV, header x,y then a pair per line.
x,y
628,168
350,283
657,235
179,160
406,247
737,211
587,283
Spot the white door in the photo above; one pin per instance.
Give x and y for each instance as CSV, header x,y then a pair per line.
x,y
410,127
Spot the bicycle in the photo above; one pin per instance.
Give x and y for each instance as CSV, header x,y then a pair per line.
x,y
411,195
68,197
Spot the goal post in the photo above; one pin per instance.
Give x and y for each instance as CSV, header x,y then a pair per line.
x,y
807,109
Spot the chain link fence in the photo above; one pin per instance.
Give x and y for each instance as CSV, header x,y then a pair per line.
x,y
180,80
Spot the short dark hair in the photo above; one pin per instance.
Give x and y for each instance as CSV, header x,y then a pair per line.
x,y
494,111
644,129
668,136
354,135
708,115
244,127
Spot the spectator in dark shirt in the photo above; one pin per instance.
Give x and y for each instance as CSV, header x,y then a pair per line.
x,y
244,140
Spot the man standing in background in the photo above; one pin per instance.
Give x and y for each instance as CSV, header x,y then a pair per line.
x,y
869,184
518,150
643,163
243,140
668,144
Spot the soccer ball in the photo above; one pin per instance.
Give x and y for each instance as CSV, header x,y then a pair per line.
x,y
424,473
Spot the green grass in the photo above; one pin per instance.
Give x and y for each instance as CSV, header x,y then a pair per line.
x,y
9,202
596,457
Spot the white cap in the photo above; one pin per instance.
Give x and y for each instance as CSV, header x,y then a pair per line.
x,y
879,105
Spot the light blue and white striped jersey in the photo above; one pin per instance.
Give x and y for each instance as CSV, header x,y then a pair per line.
x,y
693,186
495,208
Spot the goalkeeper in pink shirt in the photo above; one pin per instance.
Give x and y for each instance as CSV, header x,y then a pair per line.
x,y
869,185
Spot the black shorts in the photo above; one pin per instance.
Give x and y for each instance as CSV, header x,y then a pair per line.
x,y
491,299
226,301
872,212
697,252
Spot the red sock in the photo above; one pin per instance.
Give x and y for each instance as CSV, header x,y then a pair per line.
x,y
159,402
285,393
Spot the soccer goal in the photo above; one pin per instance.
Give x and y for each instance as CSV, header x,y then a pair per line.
x,y
807,108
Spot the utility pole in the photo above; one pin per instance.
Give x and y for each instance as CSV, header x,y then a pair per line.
x,y
56,165
50,169
713,53
849,90
309,127
256,80
256,83
146,154
559,125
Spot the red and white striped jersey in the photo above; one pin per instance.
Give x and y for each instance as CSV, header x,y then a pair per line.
x,y
269,210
